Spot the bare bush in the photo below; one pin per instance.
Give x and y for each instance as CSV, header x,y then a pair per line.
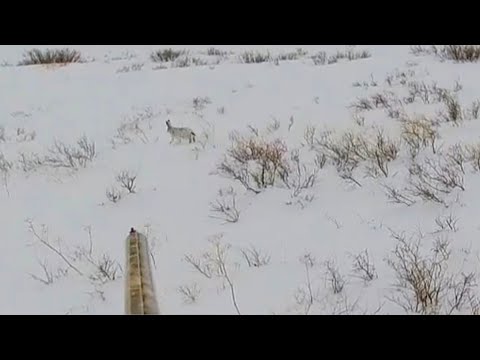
x,y
352,149
381,152
256,163
424,284
299,176
273,126
457,155
225,207
51,56
435,178
207,137
215,263
71,157
29,162
461,53
255,258
294,55
201,265
135,126
44,240
24,136
320,58
190,293
334,277
5,168
473,113
106,269
399,78
346,153
166,55
81,259
457,53
49,276
419,133
350,54
362,104
127,180
429,93
439,175
187,61
216,52
473,156
255,57
364,267
453,112
420,50
366,84
125,55
2,134
359,119
305,296
309,136
396,196
131,68
113,195
447,223
200,103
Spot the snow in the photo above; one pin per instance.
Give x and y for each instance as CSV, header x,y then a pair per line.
x,y
177,183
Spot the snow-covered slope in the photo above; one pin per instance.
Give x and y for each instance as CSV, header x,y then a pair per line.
x,y
62,218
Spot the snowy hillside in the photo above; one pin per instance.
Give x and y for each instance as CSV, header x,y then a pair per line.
x,y
323,180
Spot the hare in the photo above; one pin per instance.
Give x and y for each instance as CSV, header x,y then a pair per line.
x,y
180,134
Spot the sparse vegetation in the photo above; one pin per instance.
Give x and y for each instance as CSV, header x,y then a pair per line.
x,y
5,168
352,149
189,293
350,54
131,68
255,258
29,162
216,52
214,263
127,180
320,58
419,133
453,112
255,57
256,163
135,126
363,267
81,260
457,53
166,55
305,296
51,56
225,207
290,56
408,136
186,60
424,283
299,176
200,103
113,195
447,223
335,279
71,157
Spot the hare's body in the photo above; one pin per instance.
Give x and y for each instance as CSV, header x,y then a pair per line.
x,y
180,134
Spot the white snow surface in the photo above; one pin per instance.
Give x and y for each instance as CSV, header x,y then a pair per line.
x,y
176,183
